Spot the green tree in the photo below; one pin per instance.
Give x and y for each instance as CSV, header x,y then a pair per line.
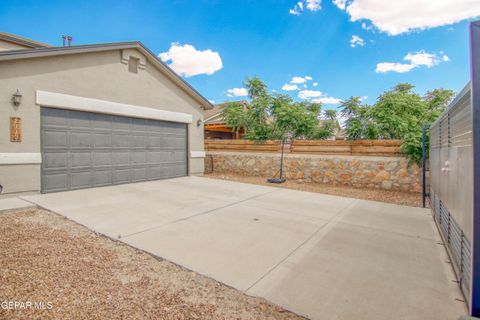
x,y
331,114
297,119
273,116
436,102
235,116
400,113
359,123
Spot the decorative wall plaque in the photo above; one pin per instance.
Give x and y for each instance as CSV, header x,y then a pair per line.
x,y
15,129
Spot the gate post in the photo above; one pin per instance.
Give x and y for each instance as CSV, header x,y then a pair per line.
x,y
424,162
475,87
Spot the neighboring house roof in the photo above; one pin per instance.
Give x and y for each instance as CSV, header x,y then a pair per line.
x,y
21,41
58,51
215,116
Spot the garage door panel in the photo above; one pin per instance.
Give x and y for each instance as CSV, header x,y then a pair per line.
x,y
139,125
54,139
174,142
179,156
155,172
81,149
102,140
102,122
121,140
121,158
79,180
139,158
121,123
156,157
55,161
139,174
80,140
55,181
79,120
153,127
56,118
102,159
121,175
102,177
172,127
80,160
155,142
139,141
179,170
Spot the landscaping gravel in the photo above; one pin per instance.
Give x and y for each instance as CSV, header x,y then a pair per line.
x,y
397,197
70,272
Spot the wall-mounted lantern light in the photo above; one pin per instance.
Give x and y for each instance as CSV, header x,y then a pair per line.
x,y
17,98
199,122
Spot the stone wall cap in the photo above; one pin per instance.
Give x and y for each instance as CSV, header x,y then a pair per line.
x,y
307,155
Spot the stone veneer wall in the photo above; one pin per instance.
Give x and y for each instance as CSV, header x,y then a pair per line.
x,y
390,173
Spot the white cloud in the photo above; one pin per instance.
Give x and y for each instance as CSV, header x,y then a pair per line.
x,y
237,92
211,101
327,100
314,5
188,61
396,17
367,27
311,5
340,4
290,87
418,59
422,58
308,94
356,41
315,84
294,11
393,66
300,80
317,96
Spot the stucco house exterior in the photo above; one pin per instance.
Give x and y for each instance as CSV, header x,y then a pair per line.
x,y
93,115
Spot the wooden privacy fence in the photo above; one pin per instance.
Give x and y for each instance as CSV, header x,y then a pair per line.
x,y
242,145
327,147
348,147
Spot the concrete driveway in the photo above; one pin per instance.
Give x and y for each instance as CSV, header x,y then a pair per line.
x,y
321,256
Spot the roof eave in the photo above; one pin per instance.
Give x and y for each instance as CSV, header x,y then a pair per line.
x,y
53,51
22,41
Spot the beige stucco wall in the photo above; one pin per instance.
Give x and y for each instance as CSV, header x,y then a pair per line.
x,y
92,75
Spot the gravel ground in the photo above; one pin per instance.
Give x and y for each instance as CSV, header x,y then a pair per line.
x,y
396,197
78,274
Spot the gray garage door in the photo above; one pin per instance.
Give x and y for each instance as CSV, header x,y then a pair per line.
x,y
83,149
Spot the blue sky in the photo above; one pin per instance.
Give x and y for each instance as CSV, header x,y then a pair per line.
x,y
275,40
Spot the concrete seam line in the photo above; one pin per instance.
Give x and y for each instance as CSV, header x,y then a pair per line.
x,y
199,214
389,232
321,228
